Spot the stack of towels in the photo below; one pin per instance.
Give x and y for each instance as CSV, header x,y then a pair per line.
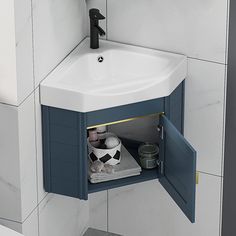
x,y
128,167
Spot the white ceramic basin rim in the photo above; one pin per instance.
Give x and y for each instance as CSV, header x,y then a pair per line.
x,y
115,74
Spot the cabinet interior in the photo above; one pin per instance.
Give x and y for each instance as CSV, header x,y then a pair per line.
x,y
132,133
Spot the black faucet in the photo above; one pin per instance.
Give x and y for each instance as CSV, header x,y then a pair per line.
x,y
95,29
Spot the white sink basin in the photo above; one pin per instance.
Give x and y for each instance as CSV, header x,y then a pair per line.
x,y
128,74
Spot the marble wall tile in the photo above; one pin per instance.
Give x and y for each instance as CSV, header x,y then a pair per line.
x,y
24,49
16,48
98,210
18,184
58,27
41,191
60,216
147,209
27,156
204,113
8,82
10,193
195,28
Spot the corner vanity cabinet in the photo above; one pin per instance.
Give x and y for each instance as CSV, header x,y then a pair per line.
x,y
65,158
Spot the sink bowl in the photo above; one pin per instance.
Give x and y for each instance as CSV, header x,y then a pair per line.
x,y
113,75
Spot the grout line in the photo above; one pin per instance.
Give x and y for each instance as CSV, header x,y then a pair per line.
x,y
205,60
220,176
14,221
26,98
8,104
34,209
16,106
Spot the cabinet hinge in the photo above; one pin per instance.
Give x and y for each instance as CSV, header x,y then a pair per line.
x,y
161,166
160,130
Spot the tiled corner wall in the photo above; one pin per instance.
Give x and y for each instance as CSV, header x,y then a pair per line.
x,y
199,30
47,31
42,33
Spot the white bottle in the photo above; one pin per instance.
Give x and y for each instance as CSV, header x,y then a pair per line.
x,y
102,131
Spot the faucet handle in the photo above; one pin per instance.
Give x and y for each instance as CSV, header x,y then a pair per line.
x,y
100,30
95,14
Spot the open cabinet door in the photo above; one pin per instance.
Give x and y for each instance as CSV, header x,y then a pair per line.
x,y
178,167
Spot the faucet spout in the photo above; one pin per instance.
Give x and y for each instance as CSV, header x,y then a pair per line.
x,y
95,29
95,14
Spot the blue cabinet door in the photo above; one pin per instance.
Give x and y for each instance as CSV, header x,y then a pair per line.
x,y
178,167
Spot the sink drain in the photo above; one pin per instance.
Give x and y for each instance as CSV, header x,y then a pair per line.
x,y
100,59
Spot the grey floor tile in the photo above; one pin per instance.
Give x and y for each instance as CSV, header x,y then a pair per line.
x,y
95,232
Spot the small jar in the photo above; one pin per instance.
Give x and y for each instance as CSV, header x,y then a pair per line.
x,y
148,155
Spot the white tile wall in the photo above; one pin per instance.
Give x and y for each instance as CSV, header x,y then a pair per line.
x,y
41,192
18,161
30,226
8,83
195,28
10,194
98,210
27,156
147,209
16,48
24,49
204,113
60,216
58,27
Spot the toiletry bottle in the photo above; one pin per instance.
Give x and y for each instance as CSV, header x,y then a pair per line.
x,y
93,138
102,131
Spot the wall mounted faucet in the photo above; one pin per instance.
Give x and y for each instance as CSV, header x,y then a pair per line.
x,y
95,29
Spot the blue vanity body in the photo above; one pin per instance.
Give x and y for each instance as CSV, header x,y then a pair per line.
x,y
65,150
